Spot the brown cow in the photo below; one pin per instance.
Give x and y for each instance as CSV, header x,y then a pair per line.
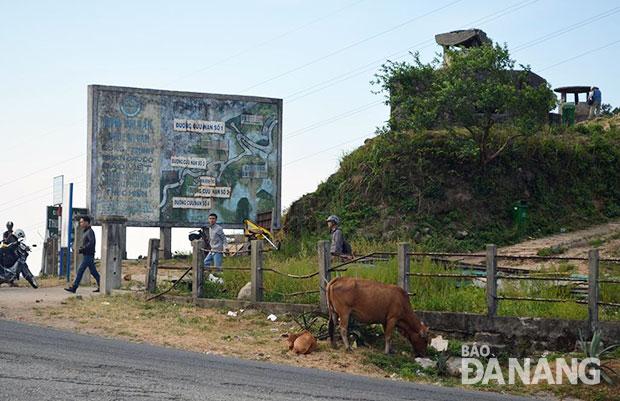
x,y
373,302
302,343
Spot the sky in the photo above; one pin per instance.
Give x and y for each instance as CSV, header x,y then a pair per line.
x,y
318,56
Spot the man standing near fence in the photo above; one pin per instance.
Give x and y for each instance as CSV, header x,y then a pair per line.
x,y
217,239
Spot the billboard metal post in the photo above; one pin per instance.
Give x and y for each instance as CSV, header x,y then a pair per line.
x,y
61,263
58,185
70,226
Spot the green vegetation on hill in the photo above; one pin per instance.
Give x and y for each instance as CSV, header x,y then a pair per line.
x,y
430,188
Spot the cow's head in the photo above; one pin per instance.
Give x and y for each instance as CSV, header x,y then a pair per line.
x,y
291,339
419,339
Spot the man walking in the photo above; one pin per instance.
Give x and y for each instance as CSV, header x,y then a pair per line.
x,y
88,251
217,239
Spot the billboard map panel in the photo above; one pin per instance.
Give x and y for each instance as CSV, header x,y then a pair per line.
x,y
164,158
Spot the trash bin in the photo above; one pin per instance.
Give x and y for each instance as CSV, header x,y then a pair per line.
x,y
568,113
520,213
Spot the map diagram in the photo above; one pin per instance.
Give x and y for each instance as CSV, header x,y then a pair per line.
x,y
170,159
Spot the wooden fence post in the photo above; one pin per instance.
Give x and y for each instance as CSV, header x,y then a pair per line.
x,y
404,265
152,261
257,271
325,262
593,290
491,281
198,269
165,239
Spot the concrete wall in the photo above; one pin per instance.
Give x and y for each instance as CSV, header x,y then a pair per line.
x,y
520,333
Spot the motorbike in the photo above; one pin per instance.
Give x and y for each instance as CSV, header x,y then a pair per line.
x,y
13,262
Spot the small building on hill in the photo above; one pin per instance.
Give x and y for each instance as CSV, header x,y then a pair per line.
x,y
582,110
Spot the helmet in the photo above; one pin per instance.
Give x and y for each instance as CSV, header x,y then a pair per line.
x,y
20,234
333,218
9,225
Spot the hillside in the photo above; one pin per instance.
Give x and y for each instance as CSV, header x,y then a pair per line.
x,y
429,187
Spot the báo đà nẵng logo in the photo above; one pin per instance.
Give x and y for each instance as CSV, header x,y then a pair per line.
x,y
477,367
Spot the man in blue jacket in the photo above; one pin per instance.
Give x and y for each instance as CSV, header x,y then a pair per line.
x,y
594,100
88,250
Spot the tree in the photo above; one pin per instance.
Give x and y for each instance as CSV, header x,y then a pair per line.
x,y
606,110
479,90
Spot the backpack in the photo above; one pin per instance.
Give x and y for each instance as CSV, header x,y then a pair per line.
x,y
346,248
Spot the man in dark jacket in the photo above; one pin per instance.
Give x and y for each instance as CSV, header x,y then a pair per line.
x,y
88,250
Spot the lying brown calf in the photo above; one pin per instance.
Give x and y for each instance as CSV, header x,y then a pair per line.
x,y
302,343
373,302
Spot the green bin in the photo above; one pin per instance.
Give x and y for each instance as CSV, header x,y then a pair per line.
x,y
568,113
520,212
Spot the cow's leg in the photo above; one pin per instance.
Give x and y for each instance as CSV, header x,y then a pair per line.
x,y
344,326
333,320
388,329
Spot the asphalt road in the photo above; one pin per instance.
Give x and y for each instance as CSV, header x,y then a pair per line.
x,y
38,363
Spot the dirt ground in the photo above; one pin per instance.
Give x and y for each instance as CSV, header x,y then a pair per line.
x,y
605,237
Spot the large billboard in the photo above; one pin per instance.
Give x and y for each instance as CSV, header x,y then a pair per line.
x,y
164,158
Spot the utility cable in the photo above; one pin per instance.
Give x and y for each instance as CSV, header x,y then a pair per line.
x,y
293,97
565,30
261,44
330,120
324,150
350,46
580,55
43,168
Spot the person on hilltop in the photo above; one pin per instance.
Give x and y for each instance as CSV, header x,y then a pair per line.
x,y
594,100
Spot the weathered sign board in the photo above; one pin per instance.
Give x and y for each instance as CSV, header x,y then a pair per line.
x,y
164,158
52,222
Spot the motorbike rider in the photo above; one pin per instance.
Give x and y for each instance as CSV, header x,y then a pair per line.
x,y
8,236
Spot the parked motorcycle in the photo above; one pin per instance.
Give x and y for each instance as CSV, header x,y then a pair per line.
x,y
13,260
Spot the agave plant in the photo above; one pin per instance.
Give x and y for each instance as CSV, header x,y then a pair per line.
x,y
442,362
593,349
309,320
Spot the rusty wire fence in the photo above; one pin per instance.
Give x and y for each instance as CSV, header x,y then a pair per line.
x,y
488,273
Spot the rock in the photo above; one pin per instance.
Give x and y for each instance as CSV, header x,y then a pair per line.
x,y
425,363
439,343
461,234
454,366
250,312
245,292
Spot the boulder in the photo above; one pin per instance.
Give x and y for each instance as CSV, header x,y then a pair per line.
x,y
425,363
245,292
